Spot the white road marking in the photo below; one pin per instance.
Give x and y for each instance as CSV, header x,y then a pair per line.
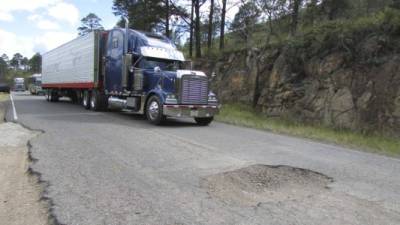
x,y
13,107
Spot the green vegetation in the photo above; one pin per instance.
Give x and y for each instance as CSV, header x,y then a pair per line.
x,y
90,23
3,97
19,66
245,116
339,33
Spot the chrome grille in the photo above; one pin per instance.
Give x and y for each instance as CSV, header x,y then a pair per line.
x,y
194,90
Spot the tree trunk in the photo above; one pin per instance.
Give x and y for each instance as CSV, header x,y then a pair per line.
x,y
314,6
295,16
197,29
167,19
222,33
210,26
191,30
146,25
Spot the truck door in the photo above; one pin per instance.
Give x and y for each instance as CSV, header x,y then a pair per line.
x,y
114,57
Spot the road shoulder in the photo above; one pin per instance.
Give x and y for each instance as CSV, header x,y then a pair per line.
x,y
20,191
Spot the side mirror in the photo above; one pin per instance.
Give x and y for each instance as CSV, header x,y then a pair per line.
x,y
135,54
213,75
157,69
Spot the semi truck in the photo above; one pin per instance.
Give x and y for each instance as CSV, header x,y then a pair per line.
x,y
19,84
128,69
35,84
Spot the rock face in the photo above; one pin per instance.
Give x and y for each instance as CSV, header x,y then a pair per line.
x,y
355,88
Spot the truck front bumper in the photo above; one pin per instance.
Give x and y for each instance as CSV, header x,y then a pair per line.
x,y
190,110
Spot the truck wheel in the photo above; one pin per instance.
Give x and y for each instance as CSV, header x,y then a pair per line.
x,y
86,100
154,111
94,101
54,96
98,101
79,97
47,95
74,97
204,121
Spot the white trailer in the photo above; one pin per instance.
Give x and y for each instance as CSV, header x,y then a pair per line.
x,y
72,65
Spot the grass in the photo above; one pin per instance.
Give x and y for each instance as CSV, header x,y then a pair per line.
x,y
3,97
245,116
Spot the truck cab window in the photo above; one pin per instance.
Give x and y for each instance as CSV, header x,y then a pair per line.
x,y
167,65
115,43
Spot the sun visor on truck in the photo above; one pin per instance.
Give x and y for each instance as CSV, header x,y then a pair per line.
x,y
162,53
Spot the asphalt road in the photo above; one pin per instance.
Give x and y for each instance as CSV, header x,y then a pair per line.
x,y
116,168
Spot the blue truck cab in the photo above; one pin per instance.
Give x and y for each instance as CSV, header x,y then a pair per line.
x,y
148,76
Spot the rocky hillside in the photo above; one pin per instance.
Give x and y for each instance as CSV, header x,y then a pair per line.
x,y
340,74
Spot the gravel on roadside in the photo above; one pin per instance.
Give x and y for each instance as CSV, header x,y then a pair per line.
x,y
3,106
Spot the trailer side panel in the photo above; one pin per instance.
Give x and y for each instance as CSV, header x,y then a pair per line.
x,y
72,65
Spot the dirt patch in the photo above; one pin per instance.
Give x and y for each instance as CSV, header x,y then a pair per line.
x,y
20,192
3,106
261,183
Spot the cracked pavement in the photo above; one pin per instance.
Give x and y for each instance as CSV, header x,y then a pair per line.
x,y
116,168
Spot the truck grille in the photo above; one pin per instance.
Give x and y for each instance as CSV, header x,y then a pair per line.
x,y
194,90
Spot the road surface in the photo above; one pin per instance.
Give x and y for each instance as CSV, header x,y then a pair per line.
x,y
116,168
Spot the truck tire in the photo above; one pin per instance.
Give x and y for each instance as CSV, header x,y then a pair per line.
x,y
94,101
54,96
204,121
98,101
73,95
154,111
47,95
86,99
79,96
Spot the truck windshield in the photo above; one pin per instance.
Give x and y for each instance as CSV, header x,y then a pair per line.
x,y
164,64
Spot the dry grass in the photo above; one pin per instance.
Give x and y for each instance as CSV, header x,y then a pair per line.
x,y
244,116
3,97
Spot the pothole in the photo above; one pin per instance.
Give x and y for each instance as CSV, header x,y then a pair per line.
x,y
262,183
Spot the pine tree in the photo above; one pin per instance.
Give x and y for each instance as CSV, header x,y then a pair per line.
x,y
35,63
16,61
144,15
245,20
90,23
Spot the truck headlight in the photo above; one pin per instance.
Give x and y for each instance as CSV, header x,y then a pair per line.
x,y
212,98
171,99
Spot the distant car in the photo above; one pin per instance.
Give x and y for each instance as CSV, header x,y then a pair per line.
x,y
4,88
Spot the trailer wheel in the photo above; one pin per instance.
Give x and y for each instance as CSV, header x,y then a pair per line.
x,y
79,97
54,96
86,100
47,95
74,97
204,121
154,111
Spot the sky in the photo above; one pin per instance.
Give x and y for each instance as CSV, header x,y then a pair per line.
x,y
30,26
